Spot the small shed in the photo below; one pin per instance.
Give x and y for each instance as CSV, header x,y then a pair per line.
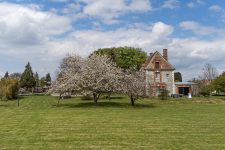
x,y
185,88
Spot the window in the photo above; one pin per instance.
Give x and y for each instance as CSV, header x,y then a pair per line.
x,y
157,65
167,77
157,77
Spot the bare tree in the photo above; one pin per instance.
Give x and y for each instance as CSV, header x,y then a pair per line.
x,y
134,85
209,73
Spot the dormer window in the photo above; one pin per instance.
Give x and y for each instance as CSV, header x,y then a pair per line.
x,y
157,65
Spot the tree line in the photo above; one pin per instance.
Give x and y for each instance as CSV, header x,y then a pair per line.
x,y
12,84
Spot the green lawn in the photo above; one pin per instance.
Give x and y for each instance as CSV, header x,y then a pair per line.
x,y
113,124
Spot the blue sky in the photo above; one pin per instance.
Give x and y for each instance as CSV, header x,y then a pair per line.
x,y
44,31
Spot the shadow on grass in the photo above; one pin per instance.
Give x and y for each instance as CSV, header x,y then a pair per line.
x,y
105,104
113,97
3,105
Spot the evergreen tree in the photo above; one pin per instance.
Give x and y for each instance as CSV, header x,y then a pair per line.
x,y
36,76
6,75
48,79
27,79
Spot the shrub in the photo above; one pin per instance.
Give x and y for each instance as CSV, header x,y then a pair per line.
x,y
205,91
164,94
9,88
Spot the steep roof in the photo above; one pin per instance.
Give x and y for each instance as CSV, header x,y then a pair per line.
x,y
157,57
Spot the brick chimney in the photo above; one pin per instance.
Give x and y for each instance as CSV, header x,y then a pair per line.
x,y
165,54
150,54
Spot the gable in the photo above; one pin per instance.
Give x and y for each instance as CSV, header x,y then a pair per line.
x,y
157,57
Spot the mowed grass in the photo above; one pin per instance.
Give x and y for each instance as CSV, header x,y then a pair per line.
x,y
152,124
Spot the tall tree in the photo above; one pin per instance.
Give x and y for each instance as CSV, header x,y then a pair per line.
x,y
219,83
209,73
48,79
27,79
6,74
125,57
36,77
177,77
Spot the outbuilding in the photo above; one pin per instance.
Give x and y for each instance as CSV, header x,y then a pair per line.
x,y
185,88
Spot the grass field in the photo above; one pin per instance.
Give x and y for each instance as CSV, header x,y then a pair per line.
x,y
113,124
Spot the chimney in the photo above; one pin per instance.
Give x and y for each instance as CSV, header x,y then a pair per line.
x,y
150,54
165,54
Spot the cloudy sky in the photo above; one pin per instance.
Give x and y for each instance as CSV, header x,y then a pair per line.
x,y
44,31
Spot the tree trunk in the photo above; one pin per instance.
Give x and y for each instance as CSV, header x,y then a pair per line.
x,y
18,102
59,99
96,97
132,100
109,96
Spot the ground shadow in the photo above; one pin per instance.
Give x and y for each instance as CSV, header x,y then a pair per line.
x,y
113,97
104,104
1,105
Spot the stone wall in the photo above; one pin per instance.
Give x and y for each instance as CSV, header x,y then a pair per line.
x,y
168,78
167,81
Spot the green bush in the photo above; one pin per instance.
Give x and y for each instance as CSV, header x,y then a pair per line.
x,y
9,88
164,94
205,91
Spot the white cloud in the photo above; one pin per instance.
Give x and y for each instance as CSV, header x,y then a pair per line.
x,y
27,31
191,5
20,25
200,29
108,11
189,55
196,3
201,2
215,8
72,8
171,4
60,1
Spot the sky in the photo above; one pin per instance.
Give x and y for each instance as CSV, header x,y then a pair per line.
x,y
44,31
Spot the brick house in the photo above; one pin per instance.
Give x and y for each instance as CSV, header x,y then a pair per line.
x,y
159,74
